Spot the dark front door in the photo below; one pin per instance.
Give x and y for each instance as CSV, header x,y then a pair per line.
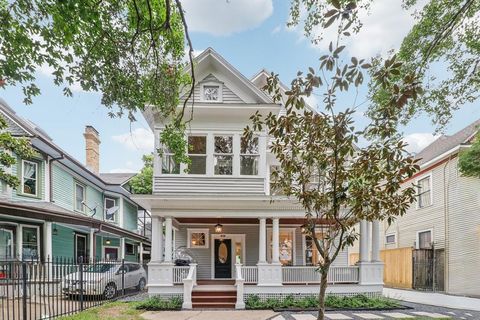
x,y
81,248
223,258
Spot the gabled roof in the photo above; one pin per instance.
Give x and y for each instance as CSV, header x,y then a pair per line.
x,y
117,178
42,142
446,143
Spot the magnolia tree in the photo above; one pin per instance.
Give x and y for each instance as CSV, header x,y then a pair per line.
x,y
321,164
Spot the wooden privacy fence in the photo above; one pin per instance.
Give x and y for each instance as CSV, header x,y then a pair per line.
x,y
398,267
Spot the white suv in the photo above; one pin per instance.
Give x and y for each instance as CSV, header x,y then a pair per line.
x,y
106,279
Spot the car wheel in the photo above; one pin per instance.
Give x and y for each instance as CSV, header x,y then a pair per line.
x,y
141,284
110,291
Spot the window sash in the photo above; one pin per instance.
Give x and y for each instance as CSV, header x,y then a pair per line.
x,y
424,192
110,203
390,238
425,239
30,247
30,181
79,197
249,165
169,166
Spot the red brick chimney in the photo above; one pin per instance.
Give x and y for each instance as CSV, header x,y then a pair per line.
x,y
92,148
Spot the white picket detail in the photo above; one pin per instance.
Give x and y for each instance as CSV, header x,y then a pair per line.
x,y
250,274
309,274
180,273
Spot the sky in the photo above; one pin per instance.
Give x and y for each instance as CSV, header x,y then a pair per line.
x,y
251,35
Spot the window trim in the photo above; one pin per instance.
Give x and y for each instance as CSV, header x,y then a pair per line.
x,y
388,235
75,248
36,195
211,84
257,155
197,154
417,237
105,209
134,246
294,242
215,154
206,231
428,175
21,226
75,196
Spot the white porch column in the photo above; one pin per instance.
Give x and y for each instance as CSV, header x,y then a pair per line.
x,y
168,239
157,239
262,242
275,240
140,252
375,241
363,242
91,243
369,240
47,240
122,248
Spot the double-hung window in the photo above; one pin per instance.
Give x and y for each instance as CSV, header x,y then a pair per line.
x,y
424,192
197,152
169,166
79,197
111,209
249,156
29,177
424,239
30,243
223,157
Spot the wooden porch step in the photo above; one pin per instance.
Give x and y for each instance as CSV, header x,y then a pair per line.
x,y
214,293
214,297
219,299
213,305
215,282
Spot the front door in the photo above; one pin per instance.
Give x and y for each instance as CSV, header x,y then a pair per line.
x,y
81,248
223,258
111,253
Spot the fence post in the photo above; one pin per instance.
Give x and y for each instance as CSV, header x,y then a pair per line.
x,y
123,277
24,289
81,283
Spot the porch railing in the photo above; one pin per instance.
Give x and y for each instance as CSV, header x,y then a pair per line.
x,y
309,274
250,274
180,273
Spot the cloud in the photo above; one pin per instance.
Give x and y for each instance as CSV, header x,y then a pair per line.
x,y
418,141
224,17
384,27
139,139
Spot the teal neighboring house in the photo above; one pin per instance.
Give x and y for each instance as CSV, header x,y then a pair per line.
x,y
65,209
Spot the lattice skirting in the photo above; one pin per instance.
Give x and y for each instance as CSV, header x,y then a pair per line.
x,y
265,296
167,295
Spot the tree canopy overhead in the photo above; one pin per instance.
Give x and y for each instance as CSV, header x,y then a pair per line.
x,y
443,47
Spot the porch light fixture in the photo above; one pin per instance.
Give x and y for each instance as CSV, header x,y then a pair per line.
x,y
218,228
107,242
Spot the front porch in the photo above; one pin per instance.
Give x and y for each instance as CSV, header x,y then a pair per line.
x,y
268,257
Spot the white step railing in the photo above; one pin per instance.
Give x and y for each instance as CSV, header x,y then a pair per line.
x,y
180,273
250,274
188,283
310,274
239,282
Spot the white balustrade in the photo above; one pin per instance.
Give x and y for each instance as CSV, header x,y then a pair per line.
x,y
250,274
180,273
188,283
310,274
239,282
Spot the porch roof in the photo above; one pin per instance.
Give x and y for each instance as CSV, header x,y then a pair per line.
x,y
47,211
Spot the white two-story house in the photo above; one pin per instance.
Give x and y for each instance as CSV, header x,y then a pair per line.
x,y
221,208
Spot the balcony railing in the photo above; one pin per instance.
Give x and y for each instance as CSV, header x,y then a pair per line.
x,y
250,274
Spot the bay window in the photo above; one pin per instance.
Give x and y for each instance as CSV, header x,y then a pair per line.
x,y
223,155
197,152
249,156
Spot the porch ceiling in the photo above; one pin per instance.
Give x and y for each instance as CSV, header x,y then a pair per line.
x,y
291,221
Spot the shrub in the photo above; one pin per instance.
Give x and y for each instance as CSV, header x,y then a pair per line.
x,y
157,303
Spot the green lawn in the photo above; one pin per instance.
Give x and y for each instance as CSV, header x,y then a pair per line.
x,y
109,311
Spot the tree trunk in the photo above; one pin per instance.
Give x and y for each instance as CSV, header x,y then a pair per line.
x,y
321,295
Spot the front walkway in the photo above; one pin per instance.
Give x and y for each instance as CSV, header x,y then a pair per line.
x,y
433,299
209,315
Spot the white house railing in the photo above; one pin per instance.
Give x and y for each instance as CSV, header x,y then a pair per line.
x,y
309,274
188,283
250,274
180,273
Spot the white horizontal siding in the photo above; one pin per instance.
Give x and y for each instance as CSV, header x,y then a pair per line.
x,y
165,185
228,96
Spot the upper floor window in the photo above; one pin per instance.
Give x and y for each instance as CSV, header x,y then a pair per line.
x,y
424,239
211,93
424,192
79,197
223,157
168,163
110,209
197,152
390,238
29,177
249,156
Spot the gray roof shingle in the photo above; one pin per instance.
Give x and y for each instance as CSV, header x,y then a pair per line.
x,y
117,178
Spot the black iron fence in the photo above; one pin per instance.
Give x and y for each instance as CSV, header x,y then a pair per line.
x,y
43,290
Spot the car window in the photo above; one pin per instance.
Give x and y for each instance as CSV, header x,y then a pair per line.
x,y
133,267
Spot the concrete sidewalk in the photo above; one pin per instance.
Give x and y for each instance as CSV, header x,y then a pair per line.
x,y
433,299
208,315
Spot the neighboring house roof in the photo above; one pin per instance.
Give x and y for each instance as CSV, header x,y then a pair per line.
x,y
44,143
117,178
446,143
